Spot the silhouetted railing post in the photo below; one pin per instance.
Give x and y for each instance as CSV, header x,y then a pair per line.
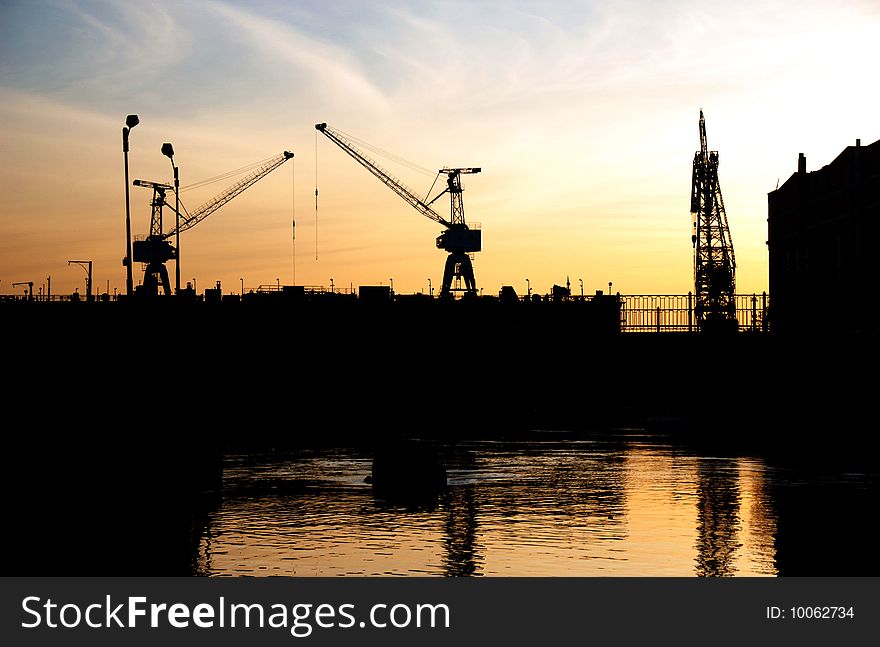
x,y
658,318
690,311
764,311
754,312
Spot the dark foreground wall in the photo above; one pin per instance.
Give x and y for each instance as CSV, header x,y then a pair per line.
x,y
116,418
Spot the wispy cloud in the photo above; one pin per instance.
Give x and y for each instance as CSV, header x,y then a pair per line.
x,y
582,115
318,66
92,51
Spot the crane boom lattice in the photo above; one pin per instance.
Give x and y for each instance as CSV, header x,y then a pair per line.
x,y
192,219
714,261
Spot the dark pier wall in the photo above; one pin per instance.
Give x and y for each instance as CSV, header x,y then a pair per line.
x,y
124,411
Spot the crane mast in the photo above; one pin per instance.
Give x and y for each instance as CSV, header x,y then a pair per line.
x,y
155,250
458,238
714,261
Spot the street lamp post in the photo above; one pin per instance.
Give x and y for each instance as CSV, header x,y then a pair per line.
x,y
242,287
130,122
168,151
582,288
88,270
392,285
430,287
528,288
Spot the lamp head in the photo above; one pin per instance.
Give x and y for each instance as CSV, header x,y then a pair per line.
x,y
168,151
131,121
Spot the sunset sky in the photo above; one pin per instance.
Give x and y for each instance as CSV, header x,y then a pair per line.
x,y
582,115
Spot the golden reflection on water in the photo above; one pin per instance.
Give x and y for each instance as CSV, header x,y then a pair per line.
x,y
555,508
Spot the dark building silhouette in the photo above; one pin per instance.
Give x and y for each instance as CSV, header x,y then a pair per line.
x,y
821,229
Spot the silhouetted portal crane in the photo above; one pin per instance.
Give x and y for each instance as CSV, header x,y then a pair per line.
x,y
156,250
458,239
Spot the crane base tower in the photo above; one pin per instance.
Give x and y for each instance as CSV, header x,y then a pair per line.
x,y
714,262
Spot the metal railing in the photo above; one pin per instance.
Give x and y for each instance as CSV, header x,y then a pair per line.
x,y
76,297
675,312
638,312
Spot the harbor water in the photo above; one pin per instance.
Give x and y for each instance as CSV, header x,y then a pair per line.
x,y
552,504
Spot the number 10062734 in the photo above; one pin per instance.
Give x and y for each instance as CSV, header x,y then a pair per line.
x,y
810,613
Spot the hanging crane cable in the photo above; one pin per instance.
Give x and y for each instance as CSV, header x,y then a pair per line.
x,y
381,153
316,195
293,214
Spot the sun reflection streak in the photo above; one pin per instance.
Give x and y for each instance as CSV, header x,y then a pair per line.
x,y
582,508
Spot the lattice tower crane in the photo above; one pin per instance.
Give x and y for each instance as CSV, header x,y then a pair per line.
x,y
714,262
459,239
155,250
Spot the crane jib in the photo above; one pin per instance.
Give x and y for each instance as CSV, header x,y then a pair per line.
x,y
222,198
384,176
